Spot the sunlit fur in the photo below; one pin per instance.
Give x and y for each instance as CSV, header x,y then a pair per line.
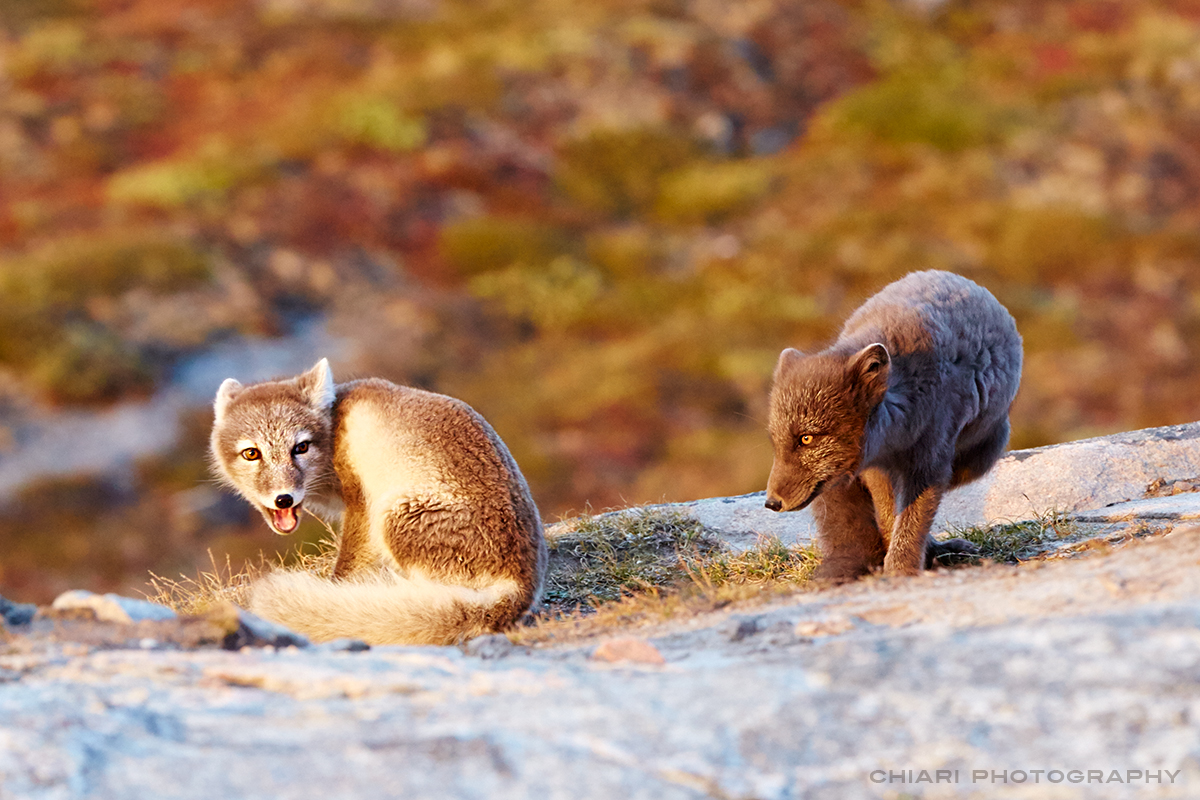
x,y
912,399
440,538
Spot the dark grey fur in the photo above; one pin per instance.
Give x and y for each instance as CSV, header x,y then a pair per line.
x,y
911,400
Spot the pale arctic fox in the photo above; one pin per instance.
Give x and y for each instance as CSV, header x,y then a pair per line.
x,y
912,399
440,539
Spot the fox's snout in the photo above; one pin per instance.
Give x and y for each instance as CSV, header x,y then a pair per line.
x,y
792,487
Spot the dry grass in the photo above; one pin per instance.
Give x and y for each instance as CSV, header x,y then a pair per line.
x,y
604,558
634,568
646,566
222,583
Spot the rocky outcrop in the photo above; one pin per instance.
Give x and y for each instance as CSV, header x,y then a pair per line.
x,y
1056,678
1103,479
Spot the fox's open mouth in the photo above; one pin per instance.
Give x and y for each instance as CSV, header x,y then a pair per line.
x,y
284,520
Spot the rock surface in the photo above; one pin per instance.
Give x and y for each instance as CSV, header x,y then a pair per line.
x,y
1060,678
1082,476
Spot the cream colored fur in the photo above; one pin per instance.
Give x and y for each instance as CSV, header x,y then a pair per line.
x,y
382,608
440,539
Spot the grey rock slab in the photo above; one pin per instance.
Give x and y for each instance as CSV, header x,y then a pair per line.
x,y
1025,484
1076,476
807,718
1176,507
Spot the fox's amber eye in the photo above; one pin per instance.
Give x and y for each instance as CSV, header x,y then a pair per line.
x,y
251,454
301,447
806,439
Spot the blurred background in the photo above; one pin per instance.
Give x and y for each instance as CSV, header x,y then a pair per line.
x,y
596,221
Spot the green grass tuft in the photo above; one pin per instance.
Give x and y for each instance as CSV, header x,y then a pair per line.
x,y
604,558
1013,542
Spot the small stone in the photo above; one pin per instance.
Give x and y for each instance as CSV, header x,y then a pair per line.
x,y
493,645
344,646
628,648
105,609
744,627
255,631
15,614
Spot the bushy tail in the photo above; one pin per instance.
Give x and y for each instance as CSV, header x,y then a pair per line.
x,y
385,608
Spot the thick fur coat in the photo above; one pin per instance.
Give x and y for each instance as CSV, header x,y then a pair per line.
x,y
911,400
440,538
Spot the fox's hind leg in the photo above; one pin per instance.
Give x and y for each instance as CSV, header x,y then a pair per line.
x,y
847,533
969,465
977,459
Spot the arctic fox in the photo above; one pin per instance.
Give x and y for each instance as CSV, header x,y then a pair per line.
x,y
912,399
440,539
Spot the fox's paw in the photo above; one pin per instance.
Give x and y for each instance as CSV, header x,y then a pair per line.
x,y
949,551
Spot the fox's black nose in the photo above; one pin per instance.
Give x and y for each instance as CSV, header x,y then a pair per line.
x,y
774,503
283,501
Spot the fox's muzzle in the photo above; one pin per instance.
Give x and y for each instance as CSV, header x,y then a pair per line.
x,y
777,503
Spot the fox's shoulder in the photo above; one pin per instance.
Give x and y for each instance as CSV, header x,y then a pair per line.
x,y
931,311
379,396
374,412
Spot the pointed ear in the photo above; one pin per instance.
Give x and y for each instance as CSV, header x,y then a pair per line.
x,y
869,369
229,389
787,359
317,385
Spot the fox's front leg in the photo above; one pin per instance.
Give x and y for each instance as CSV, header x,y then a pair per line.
x,y
354,549
847,533
910,537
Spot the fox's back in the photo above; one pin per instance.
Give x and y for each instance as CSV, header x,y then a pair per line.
x,y
400,450
404,440
956,356
939,313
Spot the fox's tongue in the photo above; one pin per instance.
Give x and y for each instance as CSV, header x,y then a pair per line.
x,y
285,519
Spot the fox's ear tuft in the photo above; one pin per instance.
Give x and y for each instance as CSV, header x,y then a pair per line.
x,y
228,390
870,367
317,385
788,358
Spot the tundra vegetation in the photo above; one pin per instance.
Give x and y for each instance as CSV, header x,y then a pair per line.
x,y
597,222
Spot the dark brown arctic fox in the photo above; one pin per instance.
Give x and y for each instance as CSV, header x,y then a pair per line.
x,y
911,400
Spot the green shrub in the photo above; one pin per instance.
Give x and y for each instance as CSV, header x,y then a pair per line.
x,y
938,108
482,244
708,191
612,555
619,172
374,121
206,177
69,271
88,363
1049,244
551,296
